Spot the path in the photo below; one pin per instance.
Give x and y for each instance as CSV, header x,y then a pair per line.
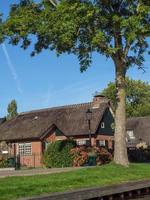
x,y
31,172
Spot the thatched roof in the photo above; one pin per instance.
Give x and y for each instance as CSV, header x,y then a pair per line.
x,y
71,120
2,120
140,127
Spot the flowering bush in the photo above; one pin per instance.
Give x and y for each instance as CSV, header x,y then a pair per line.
x,y
142,145
80,156
90,156
103,156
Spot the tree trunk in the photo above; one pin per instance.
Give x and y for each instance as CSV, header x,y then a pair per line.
x,y
120,153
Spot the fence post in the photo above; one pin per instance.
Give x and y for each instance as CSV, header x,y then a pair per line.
x,y
34,159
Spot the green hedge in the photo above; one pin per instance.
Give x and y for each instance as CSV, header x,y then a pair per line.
x,y
58,154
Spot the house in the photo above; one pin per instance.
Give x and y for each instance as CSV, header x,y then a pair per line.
x,y
138,131
28,134
2,120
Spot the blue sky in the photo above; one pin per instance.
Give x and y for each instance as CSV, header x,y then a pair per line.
x,y
46,80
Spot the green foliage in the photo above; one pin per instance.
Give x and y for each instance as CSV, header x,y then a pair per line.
x,y
1,29
115,29
137,97
58,154
3,163
83,155
12,110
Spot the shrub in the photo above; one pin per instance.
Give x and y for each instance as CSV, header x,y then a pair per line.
x,y
80,156
90,156
103,156
3,163
58,154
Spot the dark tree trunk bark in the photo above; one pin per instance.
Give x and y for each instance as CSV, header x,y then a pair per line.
x,y
120,153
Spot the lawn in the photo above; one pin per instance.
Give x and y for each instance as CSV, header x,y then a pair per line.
x,y
17,187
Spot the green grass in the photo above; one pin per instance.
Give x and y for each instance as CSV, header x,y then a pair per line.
x,y
17,187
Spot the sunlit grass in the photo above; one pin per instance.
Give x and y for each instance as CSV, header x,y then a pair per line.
x,y
17,187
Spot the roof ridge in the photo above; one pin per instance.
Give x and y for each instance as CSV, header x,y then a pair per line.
x,y
54,108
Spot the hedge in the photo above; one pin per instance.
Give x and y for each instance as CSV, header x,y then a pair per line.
x,y
58,154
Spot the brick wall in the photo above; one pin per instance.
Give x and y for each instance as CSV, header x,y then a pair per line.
x,y
33,160
110,140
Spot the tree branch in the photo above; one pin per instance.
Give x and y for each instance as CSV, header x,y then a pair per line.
x,y
52,2
126,49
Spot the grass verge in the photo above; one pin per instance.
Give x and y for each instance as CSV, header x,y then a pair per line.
x,y
18,187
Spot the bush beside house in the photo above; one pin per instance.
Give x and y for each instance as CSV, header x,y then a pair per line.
x,y
90,156
3,163
66,154
58,154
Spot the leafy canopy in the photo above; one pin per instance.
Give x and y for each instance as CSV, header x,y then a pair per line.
x,y
114,28
12,110
137,97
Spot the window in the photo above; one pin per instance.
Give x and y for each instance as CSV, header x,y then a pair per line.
x,y
25,149
81,142
131,134
102,143
102,125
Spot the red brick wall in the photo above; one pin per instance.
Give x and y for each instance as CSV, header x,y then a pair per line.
x,y
110,139
33,160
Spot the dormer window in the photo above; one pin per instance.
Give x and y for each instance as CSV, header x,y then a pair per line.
x,y
102,125
131,134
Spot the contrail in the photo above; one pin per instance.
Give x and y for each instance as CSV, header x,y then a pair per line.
x,y
12,68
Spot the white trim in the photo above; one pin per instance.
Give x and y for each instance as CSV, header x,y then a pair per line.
x,y
81,142
110,109
102,124
102,143
25,149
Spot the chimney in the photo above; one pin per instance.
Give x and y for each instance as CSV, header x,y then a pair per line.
x,y
98,99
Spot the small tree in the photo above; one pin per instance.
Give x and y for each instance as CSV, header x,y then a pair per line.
x,y
12,110
116,29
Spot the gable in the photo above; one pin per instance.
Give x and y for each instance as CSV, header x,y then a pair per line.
x,y
53,135
106,125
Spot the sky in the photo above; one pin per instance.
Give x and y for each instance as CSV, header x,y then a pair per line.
x,y
47,80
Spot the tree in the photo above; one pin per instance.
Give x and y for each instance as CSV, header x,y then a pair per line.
x,y
117,29
12,110
1,35
137,97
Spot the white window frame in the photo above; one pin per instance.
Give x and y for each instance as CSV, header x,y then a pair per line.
x,y
102,125
25,149
81,142
102,143
131,134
